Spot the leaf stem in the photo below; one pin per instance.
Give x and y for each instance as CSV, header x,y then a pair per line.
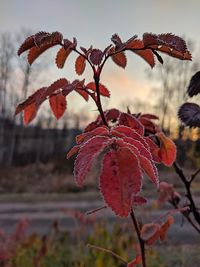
x,y
95,210
140,240
86,58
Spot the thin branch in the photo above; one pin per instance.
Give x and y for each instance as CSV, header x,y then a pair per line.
x,y
97,77
191,222
81,54
95,210
187,184
185,214
109,252
90,94
171,212
117,52
194,175
141,241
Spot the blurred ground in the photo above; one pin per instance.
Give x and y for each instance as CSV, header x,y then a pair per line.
x,y
42,211
57,177
45,193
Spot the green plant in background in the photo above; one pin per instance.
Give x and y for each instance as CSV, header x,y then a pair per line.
x,y
61,248
65,249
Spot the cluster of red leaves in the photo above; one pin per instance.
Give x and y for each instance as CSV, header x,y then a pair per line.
x,y
124,152
56,93
147,47
131,140
152,232
37,44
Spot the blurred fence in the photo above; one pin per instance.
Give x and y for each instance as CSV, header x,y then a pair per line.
x,y
22,145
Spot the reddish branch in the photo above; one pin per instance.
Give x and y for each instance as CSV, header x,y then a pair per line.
x,y
99,106
134,220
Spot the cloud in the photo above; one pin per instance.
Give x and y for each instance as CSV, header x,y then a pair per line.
x,y
124,86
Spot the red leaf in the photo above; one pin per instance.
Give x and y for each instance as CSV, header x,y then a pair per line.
x,y
142,148
148,125
173,53
79,87
124,131
166,192
130,40
103,90
73,151
38,97
150,233
100,131
116,40
120,59
167,39
138,201
150,169
58,105
132,122
144,158
149,116
107,49
35,52
70,45
29,113
56,86
61,57
147,55
91,126
26,45
80,65
165,227
118,183
167,43
45,38
86,156
38,37
134,262
112,114
154,149
137,46
167,151
83,93
96,56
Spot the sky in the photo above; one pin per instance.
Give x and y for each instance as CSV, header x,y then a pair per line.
x,y
94,22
